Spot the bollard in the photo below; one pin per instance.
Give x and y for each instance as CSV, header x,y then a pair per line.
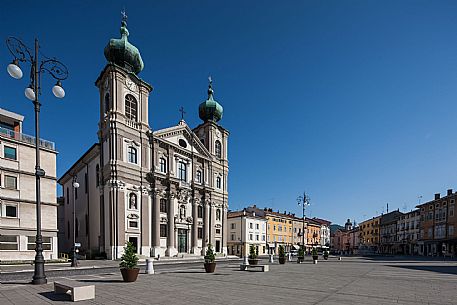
x,y
271,258
339,258
149,266
158,257
246,261
290,257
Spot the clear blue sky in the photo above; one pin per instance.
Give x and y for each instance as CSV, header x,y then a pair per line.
x,y
352,101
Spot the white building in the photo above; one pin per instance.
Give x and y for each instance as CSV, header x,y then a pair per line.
x,y
164,191
246,229
17,192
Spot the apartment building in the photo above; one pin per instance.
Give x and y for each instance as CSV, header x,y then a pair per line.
x,y
18,195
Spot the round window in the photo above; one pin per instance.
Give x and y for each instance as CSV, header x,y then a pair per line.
x,y
182,143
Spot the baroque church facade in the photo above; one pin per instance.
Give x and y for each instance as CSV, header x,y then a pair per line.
x,y
165,191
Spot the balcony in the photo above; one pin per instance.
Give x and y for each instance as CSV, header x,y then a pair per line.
x,y
21,137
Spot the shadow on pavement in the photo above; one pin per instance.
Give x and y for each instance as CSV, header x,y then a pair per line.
x,y
102,281
51,295
438,269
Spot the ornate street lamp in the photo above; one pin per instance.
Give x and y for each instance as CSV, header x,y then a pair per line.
x,y
59,72
304,201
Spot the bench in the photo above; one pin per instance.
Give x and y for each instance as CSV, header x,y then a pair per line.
x,y
78,291
263,268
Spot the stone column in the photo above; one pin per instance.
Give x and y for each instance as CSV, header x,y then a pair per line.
x,y
195,203
171,250
212,232
224,229
206,236
156,223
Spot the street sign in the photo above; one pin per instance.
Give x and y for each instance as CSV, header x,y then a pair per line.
x,y
77,244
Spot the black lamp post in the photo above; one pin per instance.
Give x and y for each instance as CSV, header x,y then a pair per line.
x,y
59,72
74,259
304,202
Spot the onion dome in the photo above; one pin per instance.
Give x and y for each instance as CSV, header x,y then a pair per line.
x,y
210,110
123,53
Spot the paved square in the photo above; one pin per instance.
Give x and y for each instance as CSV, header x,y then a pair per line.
x,y
350,281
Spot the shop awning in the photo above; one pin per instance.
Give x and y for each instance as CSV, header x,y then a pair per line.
x,y
271,245
296,247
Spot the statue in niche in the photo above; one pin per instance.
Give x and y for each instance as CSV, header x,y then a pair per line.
x,y
182,212
132,202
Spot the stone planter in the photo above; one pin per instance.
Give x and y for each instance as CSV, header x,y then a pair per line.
x,y
130,275
210,267
282,260
253,261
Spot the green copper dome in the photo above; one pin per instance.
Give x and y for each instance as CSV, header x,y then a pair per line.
x,y
210,110
123,53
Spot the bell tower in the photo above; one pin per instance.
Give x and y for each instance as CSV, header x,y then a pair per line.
x,y
124,148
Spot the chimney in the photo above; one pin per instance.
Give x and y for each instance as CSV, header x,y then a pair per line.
x,y
254,206
449,192
437,196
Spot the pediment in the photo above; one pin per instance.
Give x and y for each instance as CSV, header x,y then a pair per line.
x,y
183,132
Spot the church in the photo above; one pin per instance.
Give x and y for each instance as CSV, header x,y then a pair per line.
x,y
165,191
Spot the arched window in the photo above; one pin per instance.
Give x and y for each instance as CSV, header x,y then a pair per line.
x,y
182,171
218,149
218,182
163,205
131,107
106,104
97,175
133,202
218,214
200,211
163,165
131,154
199,176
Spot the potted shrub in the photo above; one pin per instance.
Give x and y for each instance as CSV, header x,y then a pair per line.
x,y
301,255
252,255
129,263
282,255
315,256
210,260
325,255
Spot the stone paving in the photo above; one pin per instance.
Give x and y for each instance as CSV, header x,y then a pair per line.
x,y
350,281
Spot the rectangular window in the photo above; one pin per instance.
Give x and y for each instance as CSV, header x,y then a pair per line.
x,y
451,230
163,230
200,233
47,243
257,237
9,242
10,182
250,236
218,231
233,226
250,225
11,211
133,224
263,237
257,226
10,153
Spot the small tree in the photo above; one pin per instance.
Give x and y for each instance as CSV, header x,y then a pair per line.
x,y
281,251
129,259
301,252
210,257
314,252
252,252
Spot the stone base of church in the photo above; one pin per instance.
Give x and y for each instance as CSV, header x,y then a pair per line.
x,y
196,250
171,251
224,251
157,251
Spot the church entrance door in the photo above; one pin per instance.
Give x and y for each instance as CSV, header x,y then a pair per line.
x,y
182,241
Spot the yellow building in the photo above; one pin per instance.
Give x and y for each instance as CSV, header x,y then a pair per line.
x,y
370,234
313,233
279,228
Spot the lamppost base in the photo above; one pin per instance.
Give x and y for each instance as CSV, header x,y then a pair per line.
x,y
39,281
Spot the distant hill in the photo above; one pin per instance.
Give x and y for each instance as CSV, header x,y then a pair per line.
x,y
335,227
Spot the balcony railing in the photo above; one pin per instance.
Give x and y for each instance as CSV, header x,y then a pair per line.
x,y
21,137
